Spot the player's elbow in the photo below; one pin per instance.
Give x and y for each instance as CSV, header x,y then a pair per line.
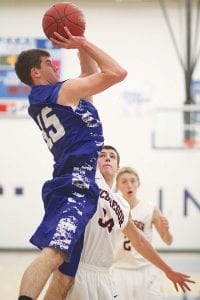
x,y
167,238
122,74
169,241
119,75
113,76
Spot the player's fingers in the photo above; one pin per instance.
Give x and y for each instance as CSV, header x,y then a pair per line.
x,y
68,32
60,37
176,286
185,287
186,278
56,42
189,280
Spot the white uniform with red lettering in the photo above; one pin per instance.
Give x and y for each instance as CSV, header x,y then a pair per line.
x,y
94,279
141,279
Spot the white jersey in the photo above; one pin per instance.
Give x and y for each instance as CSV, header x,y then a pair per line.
x,y
141,279
102,240
128,257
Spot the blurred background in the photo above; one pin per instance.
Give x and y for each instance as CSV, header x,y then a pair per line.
x,y
152,118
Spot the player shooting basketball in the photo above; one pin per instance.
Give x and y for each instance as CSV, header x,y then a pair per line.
x,y
72,130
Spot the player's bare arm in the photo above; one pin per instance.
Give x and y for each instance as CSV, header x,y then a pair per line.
x,y
141,244
88,66
110,71
162,226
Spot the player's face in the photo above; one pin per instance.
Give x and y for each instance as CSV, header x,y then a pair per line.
x,y
127,184
107,162
48,70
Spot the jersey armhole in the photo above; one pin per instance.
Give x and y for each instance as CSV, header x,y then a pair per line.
x,y
54,95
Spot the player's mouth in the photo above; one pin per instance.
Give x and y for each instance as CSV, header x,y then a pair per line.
x,y
108,165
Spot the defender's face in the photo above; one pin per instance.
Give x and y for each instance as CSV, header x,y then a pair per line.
x,y
107,162
127,184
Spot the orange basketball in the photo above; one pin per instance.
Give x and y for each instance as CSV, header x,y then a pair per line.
x,y
63,14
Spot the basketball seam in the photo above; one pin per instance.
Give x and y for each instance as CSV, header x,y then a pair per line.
x,y
59,19
54,22
66,16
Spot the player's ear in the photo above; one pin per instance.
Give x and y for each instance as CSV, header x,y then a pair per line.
x,y
35,72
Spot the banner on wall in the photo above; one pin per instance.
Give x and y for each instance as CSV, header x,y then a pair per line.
x,y
13,94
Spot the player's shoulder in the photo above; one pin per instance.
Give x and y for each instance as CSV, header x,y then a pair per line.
x,y
99,178
123,203
146,204
44,93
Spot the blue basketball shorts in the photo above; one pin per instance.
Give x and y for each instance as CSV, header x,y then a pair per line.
x,y
68,209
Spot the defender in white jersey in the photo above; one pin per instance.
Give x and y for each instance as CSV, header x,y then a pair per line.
x,y
102,238
94,279
142,279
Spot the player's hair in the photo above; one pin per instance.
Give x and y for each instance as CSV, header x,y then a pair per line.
x,y
27,60
108,147
128,170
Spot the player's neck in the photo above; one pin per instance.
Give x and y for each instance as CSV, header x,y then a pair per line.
x,y
133,201
109,180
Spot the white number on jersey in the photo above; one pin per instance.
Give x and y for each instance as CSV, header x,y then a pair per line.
x,y
52,130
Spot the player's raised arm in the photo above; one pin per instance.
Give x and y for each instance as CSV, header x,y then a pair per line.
x,y
88,66
110,70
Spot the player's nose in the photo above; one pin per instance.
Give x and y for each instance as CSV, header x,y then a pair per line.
x,y
55,68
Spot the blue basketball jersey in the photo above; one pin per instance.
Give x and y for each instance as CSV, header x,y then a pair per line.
x,y
74,137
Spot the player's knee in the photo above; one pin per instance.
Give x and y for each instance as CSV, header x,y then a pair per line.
x,y
54,257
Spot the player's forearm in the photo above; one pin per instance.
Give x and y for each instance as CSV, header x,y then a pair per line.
x,y
141,244
88,65
167,237
104,61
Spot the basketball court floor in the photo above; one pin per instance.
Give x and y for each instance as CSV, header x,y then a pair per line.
x,y
13,264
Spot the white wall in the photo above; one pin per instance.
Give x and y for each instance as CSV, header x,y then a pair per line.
x,y
136,34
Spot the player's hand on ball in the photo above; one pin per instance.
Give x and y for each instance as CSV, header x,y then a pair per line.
x,y
179,280
72,42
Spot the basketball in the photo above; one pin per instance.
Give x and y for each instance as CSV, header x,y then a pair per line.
x,y
63,14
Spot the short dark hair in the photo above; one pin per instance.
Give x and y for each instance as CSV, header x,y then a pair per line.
x,y
26,60
113,148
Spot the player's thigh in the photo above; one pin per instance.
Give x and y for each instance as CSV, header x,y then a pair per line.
x,y
125,281
92,285
152,277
